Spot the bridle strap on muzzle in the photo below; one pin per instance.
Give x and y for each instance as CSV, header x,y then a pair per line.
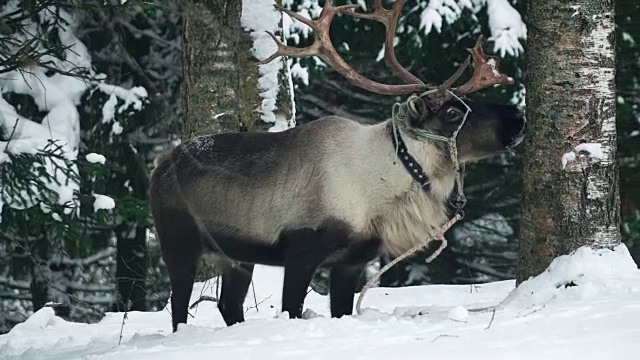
x,y
399,114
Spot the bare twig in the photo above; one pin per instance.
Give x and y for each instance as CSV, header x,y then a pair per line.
x,y
473,284
483,309
125,315
255,299
493,316
256,307
443,336
203,298
534,311
13,132
124,318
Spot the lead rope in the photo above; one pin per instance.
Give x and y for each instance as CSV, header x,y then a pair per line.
x,y
443,245
398,113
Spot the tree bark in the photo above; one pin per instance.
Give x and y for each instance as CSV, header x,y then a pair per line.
x,y
571,195
220,90
50,275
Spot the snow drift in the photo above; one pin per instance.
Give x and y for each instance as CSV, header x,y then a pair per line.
x,y
585,306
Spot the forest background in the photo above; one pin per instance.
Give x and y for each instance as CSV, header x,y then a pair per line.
x,y
92,91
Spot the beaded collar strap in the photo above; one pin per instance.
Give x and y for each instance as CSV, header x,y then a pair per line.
x,y
399,111
409,162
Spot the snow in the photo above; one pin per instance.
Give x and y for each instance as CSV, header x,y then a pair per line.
x,y
258,17
116,128
109,109
103,202
95,158
507,27
519,97
448,11
505,23
300,72
458,313
57,95
542,319
132,99
584,275
310,9
576,10
567,158
281,124
42,319
593,150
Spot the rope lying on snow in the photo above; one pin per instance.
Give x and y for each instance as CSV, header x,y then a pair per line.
x,y
443,245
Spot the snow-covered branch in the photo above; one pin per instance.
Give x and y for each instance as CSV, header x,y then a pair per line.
x,y
100,255
505,23
14,284
56,84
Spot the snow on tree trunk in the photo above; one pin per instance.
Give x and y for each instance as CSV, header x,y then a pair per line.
x,y
571,175
275,85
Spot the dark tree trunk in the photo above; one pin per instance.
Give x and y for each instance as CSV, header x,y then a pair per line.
x,y
570,195
220,90
39,282
50,275
132,257
131,267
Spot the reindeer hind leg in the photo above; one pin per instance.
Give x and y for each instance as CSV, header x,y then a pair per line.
x,y
235,285
180,242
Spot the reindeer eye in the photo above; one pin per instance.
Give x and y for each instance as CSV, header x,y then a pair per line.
x,y
453,114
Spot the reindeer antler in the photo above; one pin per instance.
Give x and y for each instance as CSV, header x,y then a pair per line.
x,y
486,72
486,68
323,48
389,18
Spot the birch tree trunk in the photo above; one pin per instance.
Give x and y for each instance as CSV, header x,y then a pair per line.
x,y
571,195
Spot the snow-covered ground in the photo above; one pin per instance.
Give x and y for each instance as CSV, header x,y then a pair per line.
x,y
586,306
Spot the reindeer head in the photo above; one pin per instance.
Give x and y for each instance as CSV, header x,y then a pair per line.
x,y
480,130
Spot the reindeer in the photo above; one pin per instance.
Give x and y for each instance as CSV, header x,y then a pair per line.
x,y
330,192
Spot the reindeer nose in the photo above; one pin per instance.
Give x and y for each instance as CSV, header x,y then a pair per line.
x,y
514,127
519,130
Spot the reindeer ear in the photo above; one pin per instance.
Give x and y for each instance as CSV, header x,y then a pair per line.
x,y
416,107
